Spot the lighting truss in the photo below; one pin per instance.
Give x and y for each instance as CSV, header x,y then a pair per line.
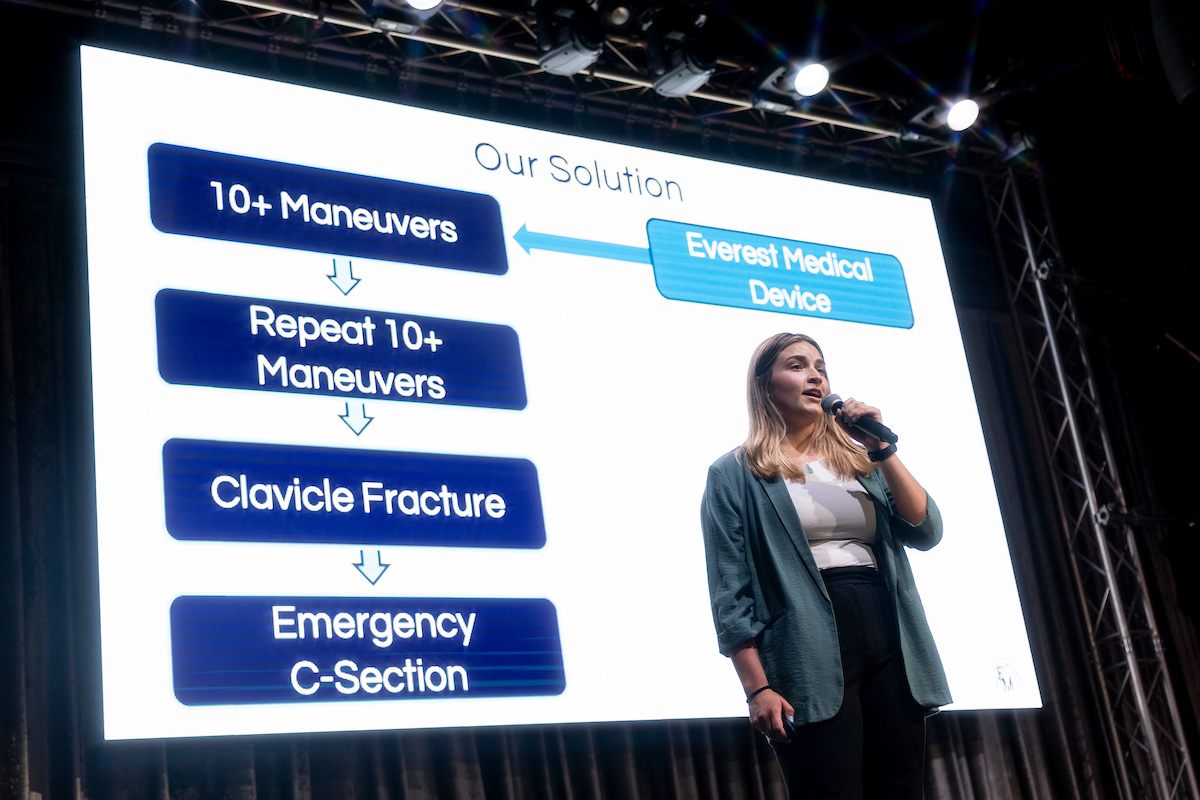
x,y
491,50
1146,738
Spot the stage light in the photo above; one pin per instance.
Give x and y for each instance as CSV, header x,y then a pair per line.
x,y
787,84
570,38
811,79
962,115
1020,144
691,67
681,58
618,15
402,16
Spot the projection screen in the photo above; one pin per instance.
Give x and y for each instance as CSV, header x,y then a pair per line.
x,y
402,418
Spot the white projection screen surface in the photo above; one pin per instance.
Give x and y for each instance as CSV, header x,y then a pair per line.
x,y
403,418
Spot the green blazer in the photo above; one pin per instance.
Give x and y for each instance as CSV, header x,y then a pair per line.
x,y
765,587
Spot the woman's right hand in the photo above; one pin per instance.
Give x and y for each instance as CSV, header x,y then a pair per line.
x,y
768,709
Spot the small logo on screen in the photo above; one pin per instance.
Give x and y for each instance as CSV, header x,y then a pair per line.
x,y
1007,677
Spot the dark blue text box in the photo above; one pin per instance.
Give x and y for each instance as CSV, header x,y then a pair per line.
x,y
219,196
213,340
236,650
321,494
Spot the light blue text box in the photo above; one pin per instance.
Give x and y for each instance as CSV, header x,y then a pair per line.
x,y
709,265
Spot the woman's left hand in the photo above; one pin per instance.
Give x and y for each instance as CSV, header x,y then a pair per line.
x,y
852,411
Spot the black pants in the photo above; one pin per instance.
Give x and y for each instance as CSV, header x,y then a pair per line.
x,y
874,747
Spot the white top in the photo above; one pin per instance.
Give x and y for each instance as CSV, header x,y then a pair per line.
x,y
838,518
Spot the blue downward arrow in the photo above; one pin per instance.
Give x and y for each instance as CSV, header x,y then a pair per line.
x,y
343,279
356,420
530,241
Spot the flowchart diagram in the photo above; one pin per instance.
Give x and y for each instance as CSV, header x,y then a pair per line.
x,y
263,650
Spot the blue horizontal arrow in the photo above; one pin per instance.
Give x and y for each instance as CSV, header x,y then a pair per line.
x,y
530,241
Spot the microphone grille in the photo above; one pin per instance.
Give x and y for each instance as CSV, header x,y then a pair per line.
x,y
830,403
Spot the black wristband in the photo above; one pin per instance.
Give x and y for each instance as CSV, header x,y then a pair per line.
x,y
880,455
757,692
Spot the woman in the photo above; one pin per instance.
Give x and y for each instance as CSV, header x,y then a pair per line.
x,y
805,527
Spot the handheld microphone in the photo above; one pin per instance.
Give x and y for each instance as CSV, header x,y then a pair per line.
x,y
830,403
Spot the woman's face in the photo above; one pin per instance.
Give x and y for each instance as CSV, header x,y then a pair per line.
x,y
798,382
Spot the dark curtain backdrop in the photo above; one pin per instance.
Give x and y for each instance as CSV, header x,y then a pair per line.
x,y
50,741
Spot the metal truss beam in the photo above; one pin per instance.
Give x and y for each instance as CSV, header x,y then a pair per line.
x,y
491,50
629,79
1149,752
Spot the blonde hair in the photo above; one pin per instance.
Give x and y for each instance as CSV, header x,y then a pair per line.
x,y
763,449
